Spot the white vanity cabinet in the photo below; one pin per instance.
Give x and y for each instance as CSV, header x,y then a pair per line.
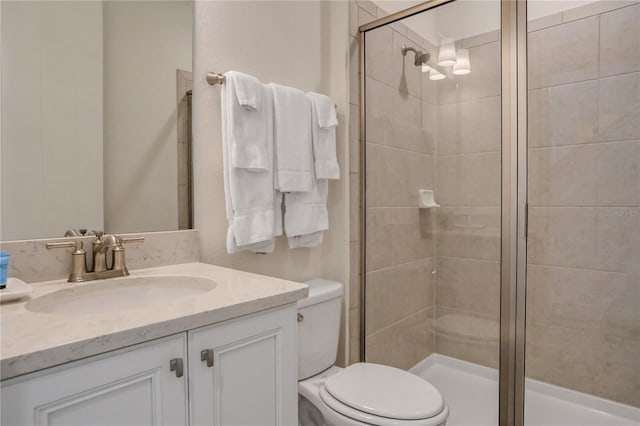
x,y
244,371
133,386
238,372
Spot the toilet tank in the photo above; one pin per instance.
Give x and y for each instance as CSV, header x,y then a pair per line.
x,y
318,327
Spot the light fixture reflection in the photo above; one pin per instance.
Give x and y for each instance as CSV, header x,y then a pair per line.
x,y
462,66
447,54
436,75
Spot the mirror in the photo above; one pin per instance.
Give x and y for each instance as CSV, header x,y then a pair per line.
x,y
95,117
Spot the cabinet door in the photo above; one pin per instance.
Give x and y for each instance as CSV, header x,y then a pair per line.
x,y
133,386
249,374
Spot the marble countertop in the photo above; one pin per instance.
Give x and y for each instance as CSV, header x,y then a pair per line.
x,y
31,341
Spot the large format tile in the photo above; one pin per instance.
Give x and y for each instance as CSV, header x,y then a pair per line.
x,y
378,112
451,180
562,236
379,54
403,344
398,292
452,231
563,176
479,125
485,230
564,53
617,237
563,115
406,125
448,140
469,285
483,178
484,80
354,139
618,174
620,41
619,108
395,175
617,370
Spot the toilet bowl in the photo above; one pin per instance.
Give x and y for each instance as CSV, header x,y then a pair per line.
x,y
363,393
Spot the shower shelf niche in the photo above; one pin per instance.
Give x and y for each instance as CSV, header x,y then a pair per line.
x,y
426,199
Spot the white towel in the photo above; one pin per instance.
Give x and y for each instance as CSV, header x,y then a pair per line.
x,y
253,207
248,121
306,215
294,166
323,131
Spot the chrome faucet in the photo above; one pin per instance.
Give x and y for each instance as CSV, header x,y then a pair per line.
x,y
101,246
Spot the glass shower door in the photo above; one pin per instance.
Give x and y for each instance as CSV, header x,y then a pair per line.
x,y
583,264
432,145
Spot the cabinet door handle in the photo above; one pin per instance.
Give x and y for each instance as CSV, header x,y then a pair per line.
x,y
207,355
177,365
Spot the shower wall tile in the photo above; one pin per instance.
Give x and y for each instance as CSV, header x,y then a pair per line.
x,y
616,236
448,140
406,124
484,224
379,59
618,174
564,53
484,80
398,235
469,285
395,175
556,355
468,336
616,370
452,231
353,18
562,236
574,166
479,39
483,174
451,179
379,110
429,127
368,6
563,115
584,299
619,107
620,41
595,8
397,292
364,17
544,22
403,344
478,125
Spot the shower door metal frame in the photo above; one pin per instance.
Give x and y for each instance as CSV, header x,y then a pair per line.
x,y
513,198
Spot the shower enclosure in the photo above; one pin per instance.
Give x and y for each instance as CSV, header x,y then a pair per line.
x,y
500,203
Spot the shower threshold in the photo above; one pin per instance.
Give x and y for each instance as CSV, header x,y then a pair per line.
x,y
471,390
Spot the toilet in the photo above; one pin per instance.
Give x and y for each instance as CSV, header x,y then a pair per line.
x,y
363,393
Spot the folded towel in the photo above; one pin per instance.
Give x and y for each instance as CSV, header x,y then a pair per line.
x,y
323,131
248,121
309,240
253,207
294,166
306,215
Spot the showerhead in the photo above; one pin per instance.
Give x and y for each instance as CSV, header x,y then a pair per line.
x,y
421,57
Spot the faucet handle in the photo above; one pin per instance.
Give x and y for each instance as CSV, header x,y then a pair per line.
x,y
98,234
123,240
77,245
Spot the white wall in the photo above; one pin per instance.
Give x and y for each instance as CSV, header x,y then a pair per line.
x,y
145,42
52,131
301,44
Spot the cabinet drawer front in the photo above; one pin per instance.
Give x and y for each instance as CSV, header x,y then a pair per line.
x,y
129,387
253,377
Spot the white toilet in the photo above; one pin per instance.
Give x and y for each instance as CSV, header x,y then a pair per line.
x,y
363,393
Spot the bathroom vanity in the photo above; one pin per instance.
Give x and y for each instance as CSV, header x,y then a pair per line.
x,y
223,353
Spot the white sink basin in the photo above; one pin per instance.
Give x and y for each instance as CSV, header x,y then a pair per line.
x,y
122,294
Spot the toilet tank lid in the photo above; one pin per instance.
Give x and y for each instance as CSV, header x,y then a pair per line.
x,y
321,290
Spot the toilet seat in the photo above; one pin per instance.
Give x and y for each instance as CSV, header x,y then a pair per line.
x,y
383,396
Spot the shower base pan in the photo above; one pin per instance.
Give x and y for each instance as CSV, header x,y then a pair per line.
x,y
471,391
